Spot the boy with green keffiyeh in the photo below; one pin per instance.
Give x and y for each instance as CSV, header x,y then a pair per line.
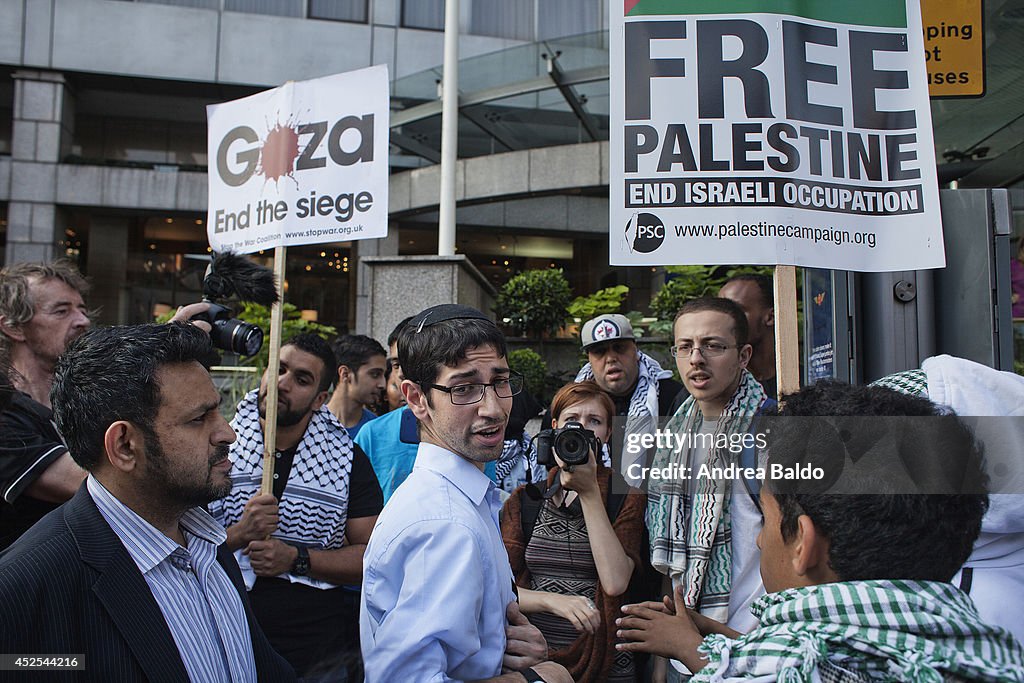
x,y
858,583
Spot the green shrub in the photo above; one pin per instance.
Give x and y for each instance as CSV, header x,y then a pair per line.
x,y
601,302
535,301
692,282
532,367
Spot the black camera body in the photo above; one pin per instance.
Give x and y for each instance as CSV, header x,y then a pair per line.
x,y
229,333
573,444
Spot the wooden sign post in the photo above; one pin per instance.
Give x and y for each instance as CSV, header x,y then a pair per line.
x,y
787,345
273,368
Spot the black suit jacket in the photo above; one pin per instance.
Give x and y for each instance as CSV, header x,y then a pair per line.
x,y
68,586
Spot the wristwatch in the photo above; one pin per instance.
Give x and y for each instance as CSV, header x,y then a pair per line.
x,y
531,676
301,565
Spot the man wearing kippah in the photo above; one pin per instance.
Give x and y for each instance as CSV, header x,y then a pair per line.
x,y
438,601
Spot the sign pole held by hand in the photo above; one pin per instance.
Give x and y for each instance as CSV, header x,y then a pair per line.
x,y
787,349
273,367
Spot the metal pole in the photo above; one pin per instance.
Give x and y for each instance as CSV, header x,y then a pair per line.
x,y
449,129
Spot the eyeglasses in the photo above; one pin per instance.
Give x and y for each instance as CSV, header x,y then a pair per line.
x,y
706,350
466,394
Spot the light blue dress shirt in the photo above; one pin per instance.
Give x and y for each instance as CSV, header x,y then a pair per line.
x,y
200,604
436,577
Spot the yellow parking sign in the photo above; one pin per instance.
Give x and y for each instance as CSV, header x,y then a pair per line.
x,y
954,45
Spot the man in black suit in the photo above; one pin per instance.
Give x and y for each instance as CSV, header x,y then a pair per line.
x,y
131,575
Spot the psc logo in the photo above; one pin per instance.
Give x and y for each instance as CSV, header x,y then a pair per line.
x,y
645,232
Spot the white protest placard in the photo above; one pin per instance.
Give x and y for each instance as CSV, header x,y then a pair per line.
x,y
772,132
300,164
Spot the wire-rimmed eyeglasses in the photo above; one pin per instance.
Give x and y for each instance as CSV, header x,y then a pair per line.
x,y
706,350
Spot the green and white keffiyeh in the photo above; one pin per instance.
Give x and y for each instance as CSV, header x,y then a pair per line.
x,y
688,520
914,631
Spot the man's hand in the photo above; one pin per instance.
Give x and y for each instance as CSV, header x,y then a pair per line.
x,y
259,520
184,314
707,625
524,643
272,557
653,630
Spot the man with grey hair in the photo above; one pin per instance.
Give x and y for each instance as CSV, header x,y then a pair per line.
x,y
42,310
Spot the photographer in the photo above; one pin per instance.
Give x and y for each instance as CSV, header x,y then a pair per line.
x,y
573,554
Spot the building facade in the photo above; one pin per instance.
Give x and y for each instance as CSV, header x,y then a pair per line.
x,y
103,135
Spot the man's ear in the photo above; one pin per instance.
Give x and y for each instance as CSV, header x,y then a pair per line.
x,y
344,375
769,317
124,445
12,332
810,552
320,400
745,351
415,399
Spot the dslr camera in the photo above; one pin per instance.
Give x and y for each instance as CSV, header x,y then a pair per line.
x,y
230,333
572,443
233,275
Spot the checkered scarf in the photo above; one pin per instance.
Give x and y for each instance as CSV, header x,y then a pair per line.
x,y
314,506
689,520
915,631
644,401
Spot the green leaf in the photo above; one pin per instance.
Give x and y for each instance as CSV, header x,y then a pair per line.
x,y
601,302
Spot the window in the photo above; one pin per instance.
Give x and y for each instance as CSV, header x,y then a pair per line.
x,y
283,8
557,18
502,18
199,4
338,10
423,14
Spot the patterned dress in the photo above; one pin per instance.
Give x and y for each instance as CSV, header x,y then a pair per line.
x,y
560,561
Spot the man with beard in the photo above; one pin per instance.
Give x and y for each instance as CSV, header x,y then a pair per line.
x,y
130,575
299,546
640,389
438,602
41,312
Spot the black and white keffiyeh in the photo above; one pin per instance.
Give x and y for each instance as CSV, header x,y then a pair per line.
x,y
642,414
313,509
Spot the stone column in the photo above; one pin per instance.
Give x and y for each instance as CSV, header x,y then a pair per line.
x,y
400,286
384,246
41,136
108,262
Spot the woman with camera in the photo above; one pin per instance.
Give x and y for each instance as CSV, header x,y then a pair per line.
x,y
573,554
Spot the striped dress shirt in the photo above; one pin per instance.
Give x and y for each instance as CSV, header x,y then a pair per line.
x,y
199,603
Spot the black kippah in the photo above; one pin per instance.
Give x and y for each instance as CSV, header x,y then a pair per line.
x,y
438,314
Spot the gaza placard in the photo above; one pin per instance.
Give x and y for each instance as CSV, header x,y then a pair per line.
x,y
300,164
792,132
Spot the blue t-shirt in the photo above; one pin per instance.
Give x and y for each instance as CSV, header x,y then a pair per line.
x,y
363,419
390,442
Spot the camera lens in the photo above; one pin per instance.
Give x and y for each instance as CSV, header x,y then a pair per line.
x,y
572,447
240,337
